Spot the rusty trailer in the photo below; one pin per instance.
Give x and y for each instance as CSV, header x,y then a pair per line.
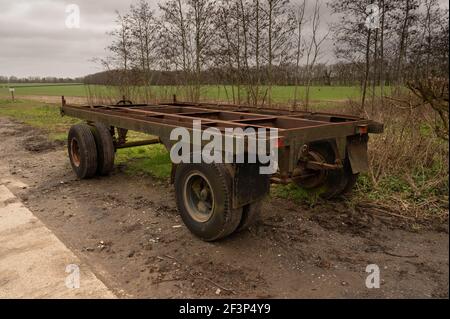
x,y
321,152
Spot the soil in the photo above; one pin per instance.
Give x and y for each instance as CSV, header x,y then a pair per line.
x,y
127,229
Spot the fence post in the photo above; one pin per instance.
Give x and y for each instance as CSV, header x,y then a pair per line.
x,y
12,93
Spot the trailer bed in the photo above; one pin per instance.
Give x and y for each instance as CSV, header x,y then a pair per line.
x,y
321,152
154,119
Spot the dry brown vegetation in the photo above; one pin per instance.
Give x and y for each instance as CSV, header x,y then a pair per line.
x,y
409,162
408,176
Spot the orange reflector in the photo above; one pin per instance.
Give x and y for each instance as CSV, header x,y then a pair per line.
x,y
280,142
363,129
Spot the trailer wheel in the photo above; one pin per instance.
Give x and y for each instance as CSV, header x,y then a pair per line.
x,y
250,215
203,194
352,179
332,183
82,151
105,148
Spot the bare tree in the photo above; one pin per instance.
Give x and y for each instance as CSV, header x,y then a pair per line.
x,y
353,39
121,45
406,17
280,25
381,76
428,54
299,22
249,46
174,43
313,51
188,28
201,13
434,92
144,31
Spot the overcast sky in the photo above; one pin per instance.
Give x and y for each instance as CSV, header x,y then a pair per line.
x,y
34,39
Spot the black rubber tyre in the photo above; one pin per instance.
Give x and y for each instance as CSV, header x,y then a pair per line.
x,y
203,194
337,182
352,179
250,215
105,148
82,151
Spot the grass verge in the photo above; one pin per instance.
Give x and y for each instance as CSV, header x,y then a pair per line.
x,y
39,115
153,160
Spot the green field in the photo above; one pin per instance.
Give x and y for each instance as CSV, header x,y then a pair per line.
x,y
24,89
5,85
281,94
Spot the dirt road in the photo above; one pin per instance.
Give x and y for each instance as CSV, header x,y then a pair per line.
x,y
128,231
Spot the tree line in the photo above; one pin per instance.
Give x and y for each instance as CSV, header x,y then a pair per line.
x,y
38,79
252,45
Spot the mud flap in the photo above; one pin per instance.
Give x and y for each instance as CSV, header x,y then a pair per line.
x,y
249,185
357,154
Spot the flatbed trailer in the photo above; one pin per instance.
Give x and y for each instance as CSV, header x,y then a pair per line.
x,y
321,152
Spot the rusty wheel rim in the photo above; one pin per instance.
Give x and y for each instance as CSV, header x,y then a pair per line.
x,y
75,152
198,197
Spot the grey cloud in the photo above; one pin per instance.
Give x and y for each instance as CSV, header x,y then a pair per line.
x,y
35,41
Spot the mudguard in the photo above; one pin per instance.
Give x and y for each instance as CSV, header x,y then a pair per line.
x,y
357,154
249,185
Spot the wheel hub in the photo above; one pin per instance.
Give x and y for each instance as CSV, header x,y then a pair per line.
x,y
75,151
198,197
309,178
204,194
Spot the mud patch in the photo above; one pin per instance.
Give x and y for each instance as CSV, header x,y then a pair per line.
x,y
38,144
8,132
204,275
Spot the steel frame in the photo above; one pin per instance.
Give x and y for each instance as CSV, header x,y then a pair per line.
x,y
295,129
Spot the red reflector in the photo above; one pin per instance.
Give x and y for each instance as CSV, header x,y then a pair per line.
x,y
280,142
363,129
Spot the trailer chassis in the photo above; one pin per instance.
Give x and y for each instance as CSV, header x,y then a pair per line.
x,y
321,152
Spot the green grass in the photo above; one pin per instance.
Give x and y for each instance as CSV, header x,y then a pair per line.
x,y
41,89
281,94
295,193
8,85
285,94
153,160
40,115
